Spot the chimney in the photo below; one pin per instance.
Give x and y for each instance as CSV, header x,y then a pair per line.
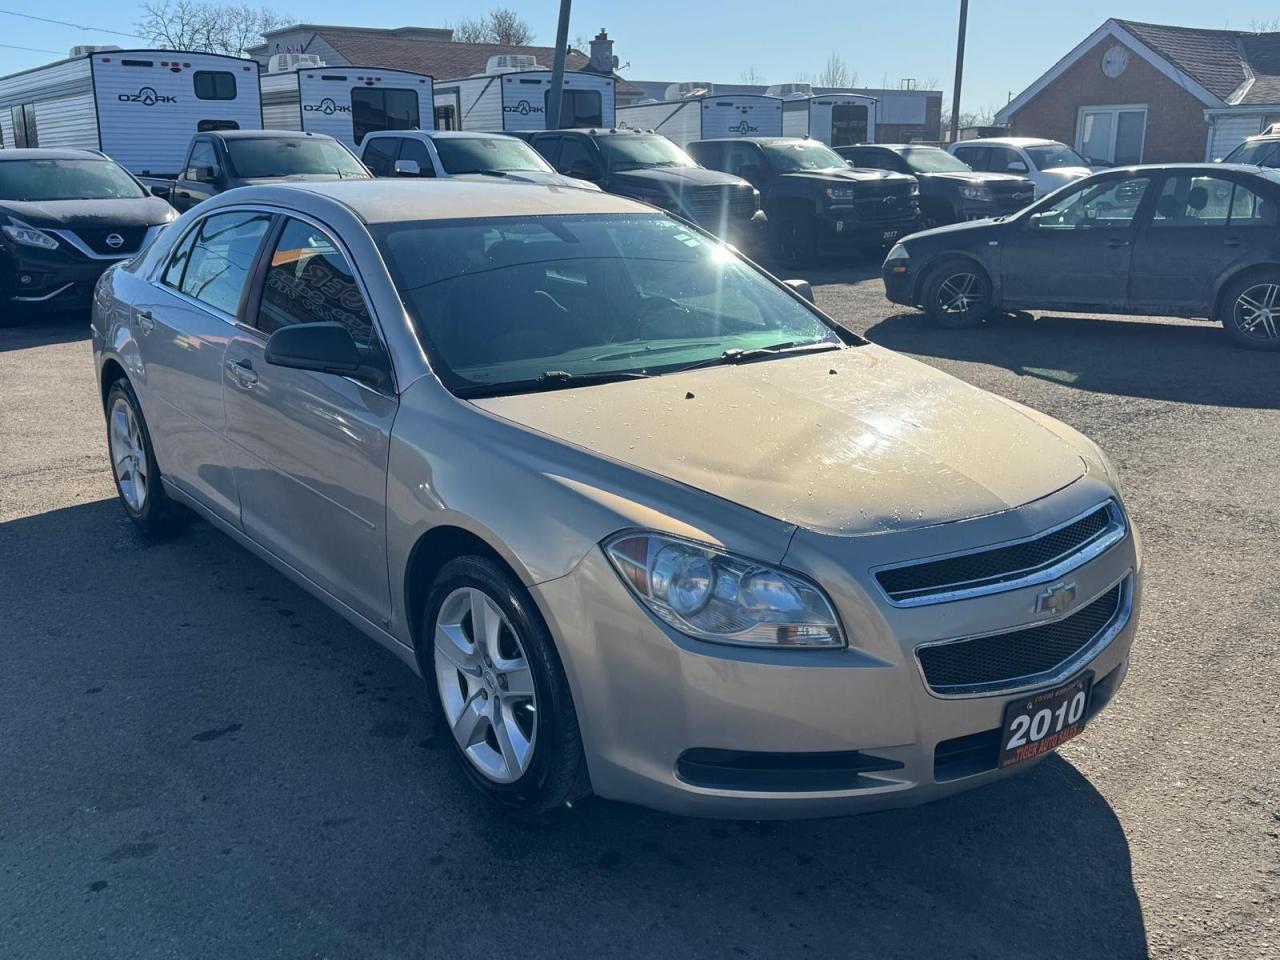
x,y
602,58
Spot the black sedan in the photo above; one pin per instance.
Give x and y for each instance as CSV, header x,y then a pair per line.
x,y
1188,240
65,216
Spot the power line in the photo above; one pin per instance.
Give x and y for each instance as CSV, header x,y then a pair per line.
x,y
68,23
13,46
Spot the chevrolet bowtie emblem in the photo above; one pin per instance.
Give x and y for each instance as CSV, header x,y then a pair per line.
x,y
1057,599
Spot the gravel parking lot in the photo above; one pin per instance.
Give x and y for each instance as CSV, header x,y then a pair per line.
x,y
198,760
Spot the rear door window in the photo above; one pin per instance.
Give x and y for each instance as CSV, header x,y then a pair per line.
x,y
380,155
214,263
975,157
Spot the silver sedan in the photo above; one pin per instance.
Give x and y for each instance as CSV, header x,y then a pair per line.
x,y
646,521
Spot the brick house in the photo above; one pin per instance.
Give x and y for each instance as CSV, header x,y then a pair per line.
x,y
429,50
1148,93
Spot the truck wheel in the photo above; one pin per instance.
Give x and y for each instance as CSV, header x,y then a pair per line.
x,y
1252,315
957,294
794,242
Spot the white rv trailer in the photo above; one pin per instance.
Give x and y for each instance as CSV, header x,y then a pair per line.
x,y
140,107
505,99
346,102
707,117
836,119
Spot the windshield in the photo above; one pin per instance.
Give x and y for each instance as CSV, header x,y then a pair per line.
x,y
460,155
637,153
515,305
1050,155
1261,153
933,160
33,180
789,156
293,157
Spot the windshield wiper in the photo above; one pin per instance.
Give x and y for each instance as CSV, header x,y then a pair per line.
x,y
735,355
550,380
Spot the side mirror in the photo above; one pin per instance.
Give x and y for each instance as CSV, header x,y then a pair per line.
x,y
1035,220
1017,166
207,174
408,168
802,287
162,192
582,171
323,347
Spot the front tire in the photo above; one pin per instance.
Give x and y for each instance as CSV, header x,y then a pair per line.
x,y
133,465
1252,315
794,240
957,295
499,690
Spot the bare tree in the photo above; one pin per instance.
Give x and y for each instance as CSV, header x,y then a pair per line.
x,y
202,25
497,26
1265,26
752,76
836,73
984,116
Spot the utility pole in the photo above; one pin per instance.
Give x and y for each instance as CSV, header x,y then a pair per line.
x,y
557,70
955,94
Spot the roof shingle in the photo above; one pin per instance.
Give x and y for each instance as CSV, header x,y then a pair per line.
x,y
1221,61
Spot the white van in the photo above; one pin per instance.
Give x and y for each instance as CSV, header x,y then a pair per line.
x,y
140,107
708,117
347,102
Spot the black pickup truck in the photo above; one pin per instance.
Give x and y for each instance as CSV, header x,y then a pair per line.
x,y
223,159
950,190
814,200
649,167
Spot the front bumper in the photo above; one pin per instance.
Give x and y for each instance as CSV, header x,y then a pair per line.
x,y
64,277
657,709
899,282
842,228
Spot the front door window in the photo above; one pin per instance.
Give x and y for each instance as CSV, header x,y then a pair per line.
x,y
1109,205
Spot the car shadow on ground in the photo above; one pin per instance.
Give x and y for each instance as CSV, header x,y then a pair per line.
x,y
185,727
1182,361
21,332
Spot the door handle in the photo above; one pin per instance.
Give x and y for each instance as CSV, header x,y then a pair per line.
x,y
1115,243
146,322
1232,242
242,372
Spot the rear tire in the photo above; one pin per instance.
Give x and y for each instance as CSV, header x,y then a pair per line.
x,y
957,294
499,691
133,465
1251,315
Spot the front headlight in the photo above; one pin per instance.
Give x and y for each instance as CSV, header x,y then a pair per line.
x,y
975,191
28,236
711,595
898,252
1109,469
915,189
840,194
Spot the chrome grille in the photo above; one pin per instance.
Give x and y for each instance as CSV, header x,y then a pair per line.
x,y
1035,560
96,239
709,204
1025,657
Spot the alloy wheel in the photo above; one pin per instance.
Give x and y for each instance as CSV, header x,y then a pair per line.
x,y
962,296
485,684
128,454
1257,311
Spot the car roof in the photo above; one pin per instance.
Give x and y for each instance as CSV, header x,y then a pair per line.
x,y
440,134
1008,142
50,153
394,201
762,140
266,134
890,146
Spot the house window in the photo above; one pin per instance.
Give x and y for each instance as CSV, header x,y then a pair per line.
x,y
1112,134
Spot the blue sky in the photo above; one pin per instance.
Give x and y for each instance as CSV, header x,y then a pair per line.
x,y
1010,43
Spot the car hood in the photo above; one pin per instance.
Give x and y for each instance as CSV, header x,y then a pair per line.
x,y
528,176
71,214
1071,173
296,178
675,178
853,442
850,175
976,176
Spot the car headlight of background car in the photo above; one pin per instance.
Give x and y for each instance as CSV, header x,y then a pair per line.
x,y
28,236
711,595
840,194
975,191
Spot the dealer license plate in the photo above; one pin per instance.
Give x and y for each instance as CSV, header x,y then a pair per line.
x,y
1040,722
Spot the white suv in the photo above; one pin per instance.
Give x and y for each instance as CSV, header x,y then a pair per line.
x,y
459,153
1046,163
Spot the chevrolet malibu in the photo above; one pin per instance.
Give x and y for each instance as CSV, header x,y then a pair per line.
x,y
646,522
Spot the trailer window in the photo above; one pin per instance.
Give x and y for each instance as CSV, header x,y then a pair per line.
x,y
579,108
214,85
383,108
848,124
208,126
446,118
